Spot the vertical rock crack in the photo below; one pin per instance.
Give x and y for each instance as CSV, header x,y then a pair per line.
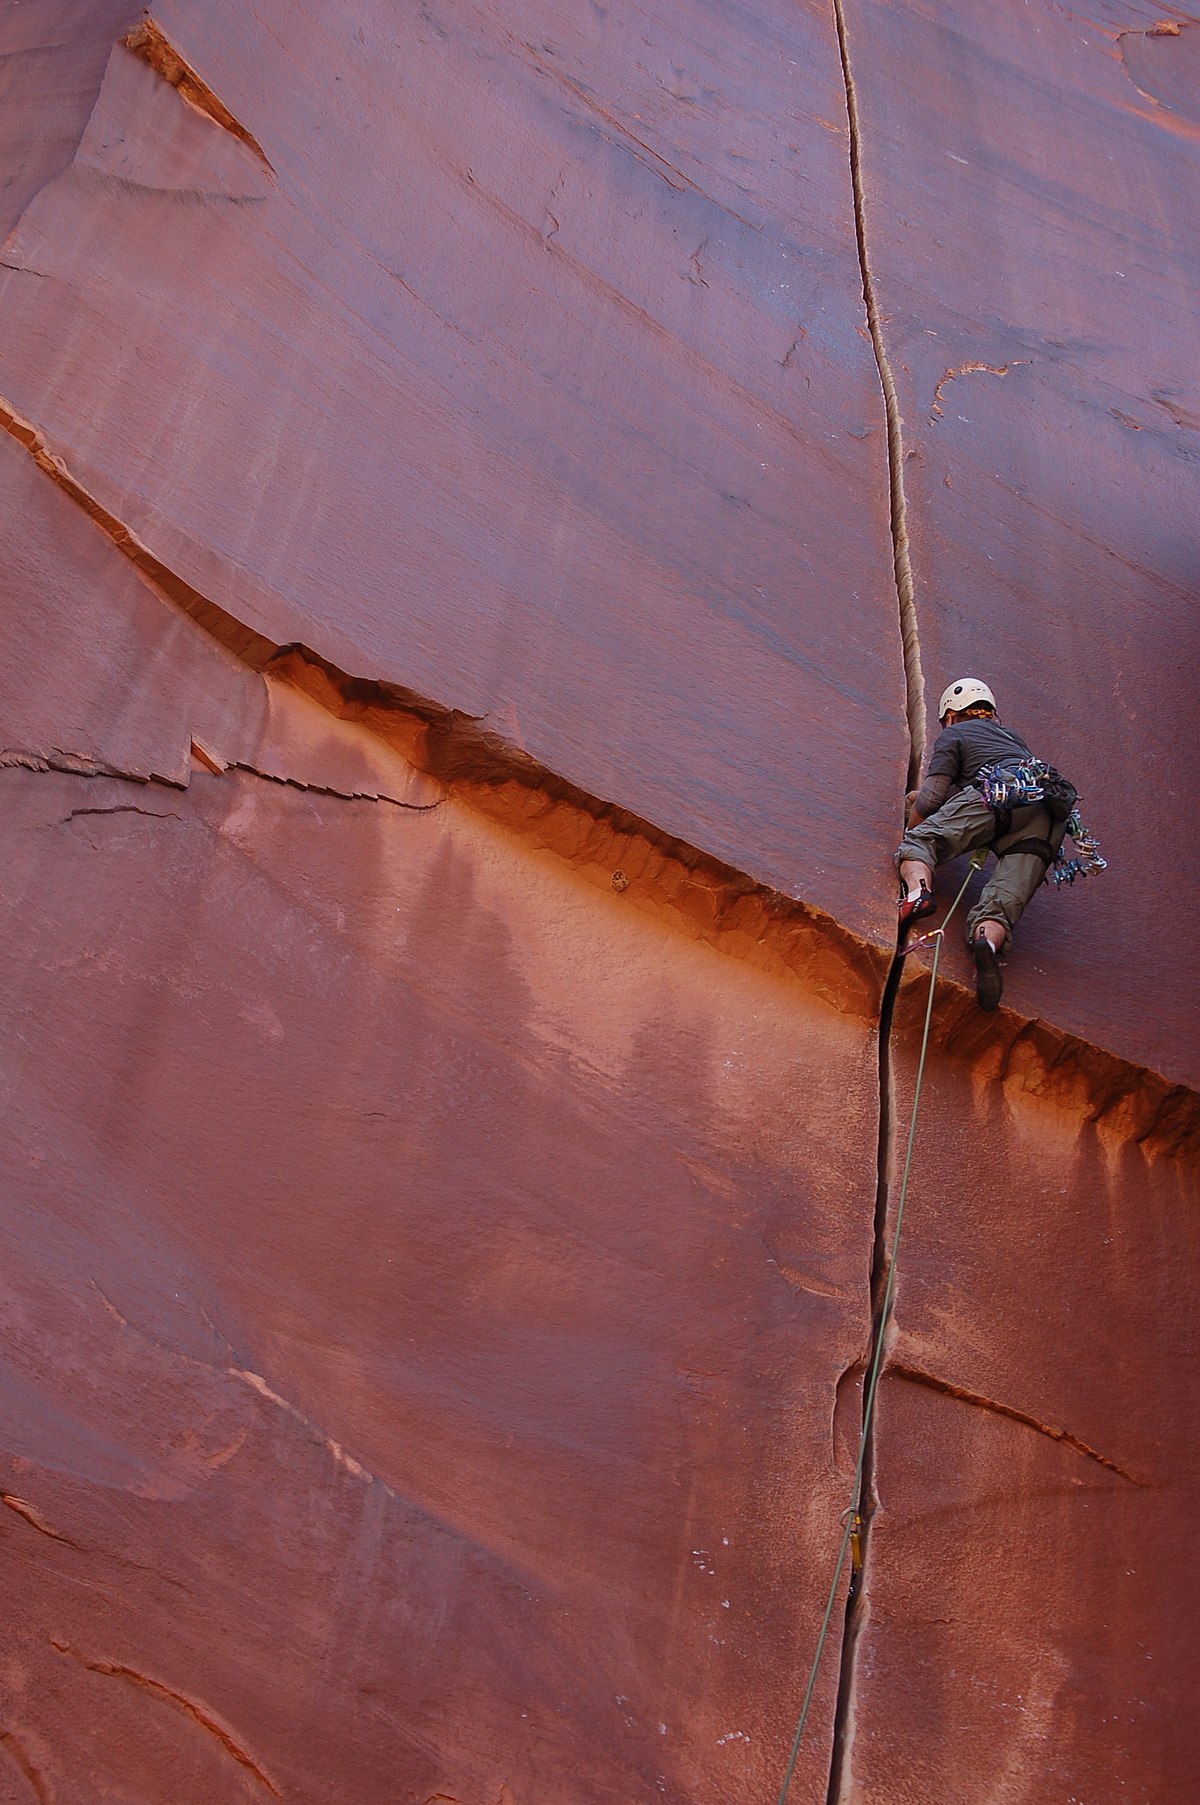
x,y
914,693
914,681
865,1501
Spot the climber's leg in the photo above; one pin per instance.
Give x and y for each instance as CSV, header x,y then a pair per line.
x,y
915,873
960,825
1023,853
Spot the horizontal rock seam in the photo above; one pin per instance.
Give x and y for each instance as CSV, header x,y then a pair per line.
x,y
80,764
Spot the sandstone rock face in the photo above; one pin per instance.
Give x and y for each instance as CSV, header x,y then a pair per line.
x,y
427,1376
1029,1457
491,497
1047,384
437,351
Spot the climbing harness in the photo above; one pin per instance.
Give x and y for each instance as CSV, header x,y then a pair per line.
x,y
1009,786
1006,786
852,1522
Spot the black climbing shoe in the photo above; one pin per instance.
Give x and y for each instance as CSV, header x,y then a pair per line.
x,y
989,979
915,908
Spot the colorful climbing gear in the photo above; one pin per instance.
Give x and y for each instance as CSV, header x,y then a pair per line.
x,y
1009,786
1084,862
1016,785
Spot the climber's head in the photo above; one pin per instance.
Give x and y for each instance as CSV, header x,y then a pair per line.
x,y
966,697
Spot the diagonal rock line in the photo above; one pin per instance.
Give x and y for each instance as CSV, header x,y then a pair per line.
x,y
21,1508
643,152
24,1762
148,41
252,648
123,808
334,1448
199,1714
702,895
324,789
918,1376
462,1531
680,884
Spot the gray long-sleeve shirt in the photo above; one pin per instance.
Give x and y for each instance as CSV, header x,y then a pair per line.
x,y
960,753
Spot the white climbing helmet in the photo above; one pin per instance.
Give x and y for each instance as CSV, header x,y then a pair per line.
x,y
964,694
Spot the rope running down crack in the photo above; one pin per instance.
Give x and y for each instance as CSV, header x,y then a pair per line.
x,y
852,1516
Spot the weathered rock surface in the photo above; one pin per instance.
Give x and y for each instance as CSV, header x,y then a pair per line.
x,y
454,722
421,384
1020,1637
428,1287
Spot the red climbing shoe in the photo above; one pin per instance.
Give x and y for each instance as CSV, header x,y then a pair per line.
x,y
915,908
989,979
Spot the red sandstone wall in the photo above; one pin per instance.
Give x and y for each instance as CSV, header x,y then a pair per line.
x,y
441,1089
1033,215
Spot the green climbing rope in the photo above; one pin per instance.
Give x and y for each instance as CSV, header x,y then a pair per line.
x,y
852,1517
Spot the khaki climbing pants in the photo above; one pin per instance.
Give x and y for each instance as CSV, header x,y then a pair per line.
x,y
966,823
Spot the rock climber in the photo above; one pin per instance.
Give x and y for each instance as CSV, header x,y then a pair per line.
x,y
950,815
